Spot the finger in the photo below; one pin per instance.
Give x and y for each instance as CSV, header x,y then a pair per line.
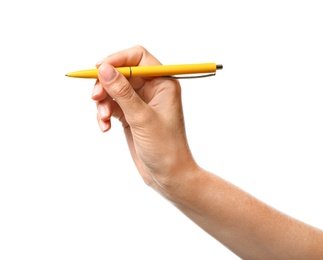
x,y
105,108
119,88
98,93
104,125
134,56
116,110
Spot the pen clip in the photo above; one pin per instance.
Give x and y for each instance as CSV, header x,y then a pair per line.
x,y
190,77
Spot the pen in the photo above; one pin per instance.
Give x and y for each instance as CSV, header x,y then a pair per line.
x,y
153,71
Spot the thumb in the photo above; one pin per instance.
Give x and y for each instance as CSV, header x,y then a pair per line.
x,y
119,88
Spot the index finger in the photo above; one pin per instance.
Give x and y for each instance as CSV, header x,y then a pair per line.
x,y
135,56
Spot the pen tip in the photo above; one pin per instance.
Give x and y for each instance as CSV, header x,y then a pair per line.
x,y
219,66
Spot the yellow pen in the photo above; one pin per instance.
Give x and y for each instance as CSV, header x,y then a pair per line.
x,y
155,71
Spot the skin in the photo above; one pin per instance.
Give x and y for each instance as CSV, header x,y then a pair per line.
x,y
150,110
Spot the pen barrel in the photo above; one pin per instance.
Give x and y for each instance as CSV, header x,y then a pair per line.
x,y
169,70
153,71
93,73
87,74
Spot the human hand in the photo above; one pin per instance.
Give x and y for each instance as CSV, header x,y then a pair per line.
x,y
150,110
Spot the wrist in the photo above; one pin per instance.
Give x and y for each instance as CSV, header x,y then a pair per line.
x,y
183,186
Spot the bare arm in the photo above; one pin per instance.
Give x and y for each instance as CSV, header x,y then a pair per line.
x,y
247,226
150,111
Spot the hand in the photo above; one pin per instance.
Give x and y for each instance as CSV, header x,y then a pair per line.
x,y
150,110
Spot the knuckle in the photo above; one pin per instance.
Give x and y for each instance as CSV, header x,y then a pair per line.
x,y
140,48
142,51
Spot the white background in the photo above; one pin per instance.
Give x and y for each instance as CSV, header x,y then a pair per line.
x,y
67,191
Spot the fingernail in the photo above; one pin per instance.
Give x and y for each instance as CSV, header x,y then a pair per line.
x,y
104,125
107,72
95,90
103,113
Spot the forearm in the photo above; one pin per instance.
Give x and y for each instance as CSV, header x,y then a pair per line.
x,y
245,225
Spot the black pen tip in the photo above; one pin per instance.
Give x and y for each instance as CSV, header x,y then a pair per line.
x,y
219,66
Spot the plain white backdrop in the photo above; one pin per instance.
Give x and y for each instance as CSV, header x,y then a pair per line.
x,y
67,191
